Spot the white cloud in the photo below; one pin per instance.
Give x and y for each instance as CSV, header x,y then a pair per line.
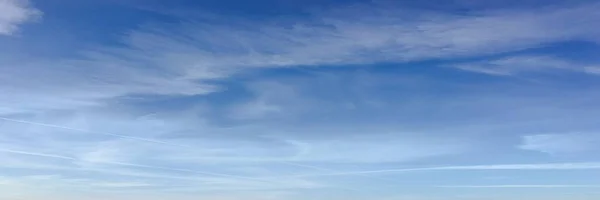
x,y
71,85
14,13
179,59
182,59
514,65
518,64
378,35
592,69
68,145
561,143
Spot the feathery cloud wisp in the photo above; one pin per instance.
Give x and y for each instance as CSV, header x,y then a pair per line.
x,y
14,13
508,66
77,116
181,59
561,143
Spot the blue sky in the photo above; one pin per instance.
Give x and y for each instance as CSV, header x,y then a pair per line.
x,y
290,100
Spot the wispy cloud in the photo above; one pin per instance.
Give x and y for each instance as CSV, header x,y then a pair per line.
x,y
518,64
180,59
383,34
117,155
378,149
13,13
87,131
78,116
143,166
114,156
36,154
515,65
567,143
552,166
521,186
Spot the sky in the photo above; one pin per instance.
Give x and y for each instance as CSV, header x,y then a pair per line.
x,y
295,100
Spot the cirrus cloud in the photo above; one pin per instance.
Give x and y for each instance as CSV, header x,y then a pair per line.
x,y
13,13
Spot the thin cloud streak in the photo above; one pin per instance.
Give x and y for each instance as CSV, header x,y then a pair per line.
x,y
130,165
552,166
148,166
515,65
129,137
519,186
37,154
191,62
166,143
86,131
254,179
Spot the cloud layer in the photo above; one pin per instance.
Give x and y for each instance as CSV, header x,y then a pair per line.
x,y
354,101
180,59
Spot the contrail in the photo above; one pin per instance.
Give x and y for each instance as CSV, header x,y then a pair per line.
x,y
554,166
29,153
139,139
326,169
547,166
185,170
519,186
331,170
94,132
115,163
37,154
163,143
124,164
